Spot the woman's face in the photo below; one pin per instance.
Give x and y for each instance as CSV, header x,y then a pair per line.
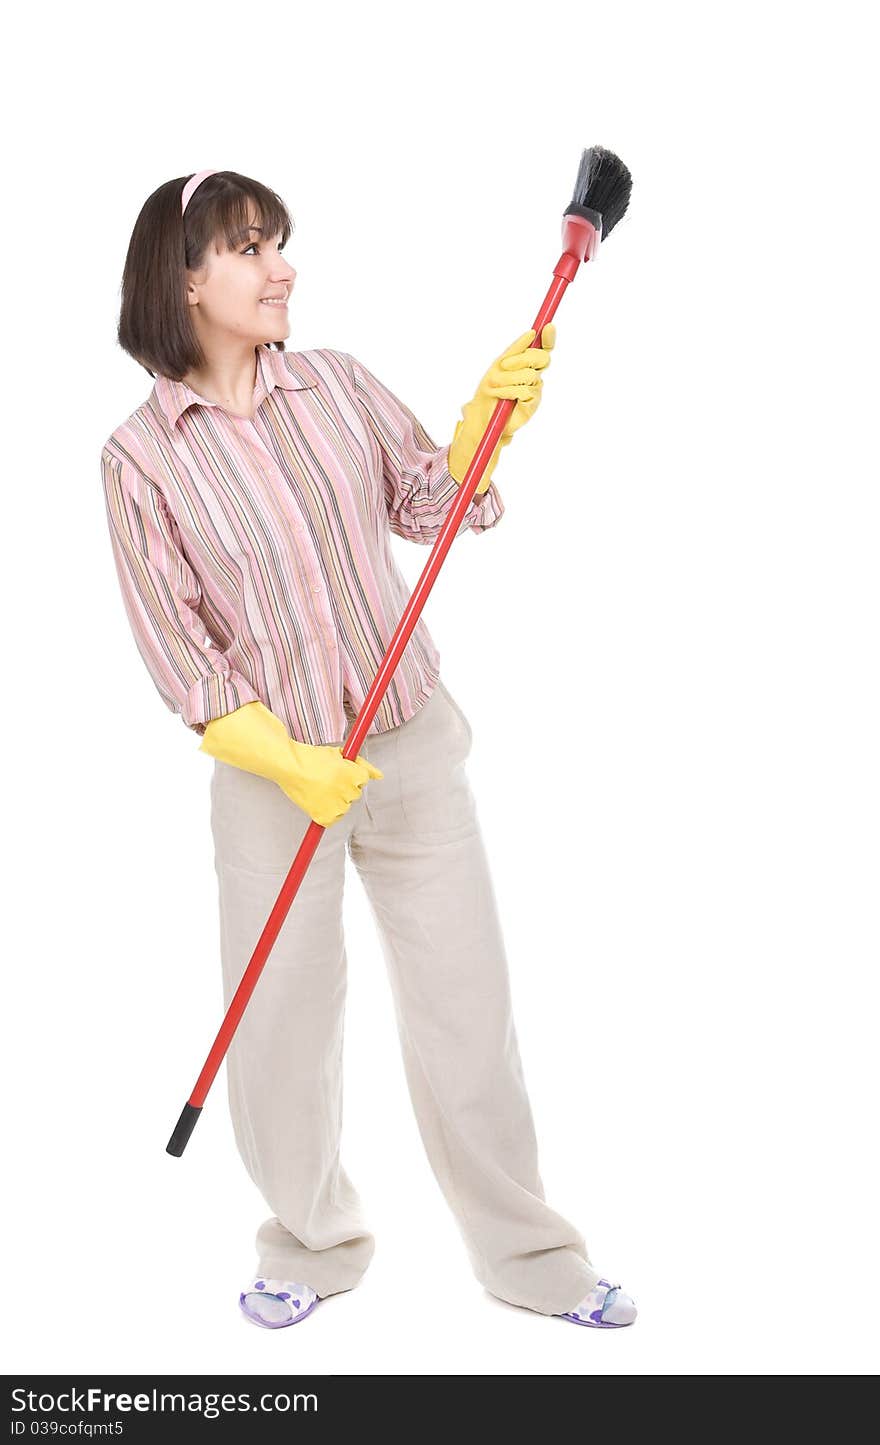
x,y
229,293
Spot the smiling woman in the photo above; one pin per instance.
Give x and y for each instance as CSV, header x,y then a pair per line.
x,y
214,274
251,501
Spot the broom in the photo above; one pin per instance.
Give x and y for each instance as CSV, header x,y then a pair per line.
x,y
601,196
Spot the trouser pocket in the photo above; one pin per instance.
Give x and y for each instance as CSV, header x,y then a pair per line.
x,y
454,705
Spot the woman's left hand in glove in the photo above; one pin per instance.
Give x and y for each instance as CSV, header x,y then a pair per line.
x,y
516,374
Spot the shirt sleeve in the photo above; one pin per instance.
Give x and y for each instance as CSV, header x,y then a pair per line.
x,y
162,595
420,490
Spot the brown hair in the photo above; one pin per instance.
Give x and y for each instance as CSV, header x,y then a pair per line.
x,y
154,318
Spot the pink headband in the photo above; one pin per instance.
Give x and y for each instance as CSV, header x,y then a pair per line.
x,y
190,186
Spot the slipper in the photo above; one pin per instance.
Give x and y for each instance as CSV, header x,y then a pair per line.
x,y
274,1303
606,1307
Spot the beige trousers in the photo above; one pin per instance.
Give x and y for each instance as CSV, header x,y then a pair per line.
x,y
415,840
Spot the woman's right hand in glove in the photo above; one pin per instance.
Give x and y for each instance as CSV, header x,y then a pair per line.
x,y
318,779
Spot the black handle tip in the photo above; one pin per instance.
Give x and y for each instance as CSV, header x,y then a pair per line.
x,y
182,1130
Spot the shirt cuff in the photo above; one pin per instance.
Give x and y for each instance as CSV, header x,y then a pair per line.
x,y
213,696
486,508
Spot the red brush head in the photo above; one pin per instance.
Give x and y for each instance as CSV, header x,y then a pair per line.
x,y
581,236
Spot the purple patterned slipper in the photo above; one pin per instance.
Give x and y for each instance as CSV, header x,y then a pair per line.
x,y
274,1303
606,1307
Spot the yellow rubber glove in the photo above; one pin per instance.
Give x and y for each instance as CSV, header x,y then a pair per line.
x,y
516,374
317,778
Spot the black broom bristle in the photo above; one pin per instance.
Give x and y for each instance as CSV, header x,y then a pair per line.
x,y
603,186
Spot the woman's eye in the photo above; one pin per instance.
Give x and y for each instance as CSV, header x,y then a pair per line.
x,y
255,245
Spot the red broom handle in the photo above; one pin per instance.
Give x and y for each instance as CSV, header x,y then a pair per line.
x,y
564,272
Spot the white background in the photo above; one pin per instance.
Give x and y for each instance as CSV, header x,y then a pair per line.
x,y
667,650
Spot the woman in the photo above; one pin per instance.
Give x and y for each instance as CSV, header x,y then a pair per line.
x,y
250,501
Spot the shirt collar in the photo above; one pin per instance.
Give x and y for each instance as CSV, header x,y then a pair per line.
x,y
274,368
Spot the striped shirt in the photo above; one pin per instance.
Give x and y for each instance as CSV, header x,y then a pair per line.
x,y
254,553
